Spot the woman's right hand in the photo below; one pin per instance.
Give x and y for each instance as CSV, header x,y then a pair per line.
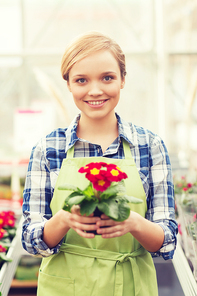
x,y
80,223
58,225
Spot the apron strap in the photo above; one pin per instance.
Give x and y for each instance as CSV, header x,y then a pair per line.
x,y
70,152
126,148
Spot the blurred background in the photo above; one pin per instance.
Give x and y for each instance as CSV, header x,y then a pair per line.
x,y
159,39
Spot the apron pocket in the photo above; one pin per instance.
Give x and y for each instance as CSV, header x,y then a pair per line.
x,y
54,285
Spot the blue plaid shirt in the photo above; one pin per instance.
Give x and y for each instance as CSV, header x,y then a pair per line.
x,y
152,162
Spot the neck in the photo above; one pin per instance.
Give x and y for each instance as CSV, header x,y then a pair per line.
x,y
98,131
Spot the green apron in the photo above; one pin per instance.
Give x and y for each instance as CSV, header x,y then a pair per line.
x,y
93,267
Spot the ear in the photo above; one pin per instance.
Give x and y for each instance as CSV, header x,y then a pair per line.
x,y
122,83
68,85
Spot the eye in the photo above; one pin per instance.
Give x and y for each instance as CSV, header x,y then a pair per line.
x,y
108,78
81,80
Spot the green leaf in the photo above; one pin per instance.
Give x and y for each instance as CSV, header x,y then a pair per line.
x,y
105,197
5,241
88,191
88,207
75,200
68,187
123,211
113,190
115,209
66,208
11,232
76,193
130,199
109,208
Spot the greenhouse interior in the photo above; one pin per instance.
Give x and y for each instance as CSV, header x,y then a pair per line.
x,y
159,40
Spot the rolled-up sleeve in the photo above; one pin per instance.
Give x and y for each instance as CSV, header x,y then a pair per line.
x,y
36,204
160,199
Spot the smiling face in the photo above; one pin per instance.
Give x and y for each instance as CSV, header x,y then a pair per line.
x,y
95,83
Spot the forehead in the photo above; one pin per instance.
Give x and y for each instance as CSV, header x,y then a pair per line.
x,y
103,60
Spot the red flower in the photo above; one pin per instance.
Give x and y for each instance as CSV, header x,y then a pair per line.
x,y
2,232
101,170
95,175
101,185
1,222
10,221
2,219
92,171
91,165
115,174
2,249
7,219
102,174
189,185
185,188
11,213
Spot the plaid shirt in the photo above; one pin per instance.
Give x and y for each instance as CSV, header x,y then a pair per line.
x,y
152,162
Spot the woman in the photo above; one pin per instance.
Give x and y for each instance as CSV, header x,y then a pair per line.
x,y
118,261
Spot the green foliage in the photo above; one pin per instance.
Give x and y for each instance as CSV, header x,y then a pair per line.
x,y
87,207
112,202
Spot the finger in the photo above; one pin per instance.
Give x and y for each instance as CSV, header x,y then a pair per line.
x,y
104,217
109,233
85,219
107,222
84,234
76,210
83,226
112,230
87,227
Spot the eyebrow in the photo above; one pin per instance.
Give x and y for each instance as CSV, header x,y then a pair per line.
x,y
79,75
109,72
104,73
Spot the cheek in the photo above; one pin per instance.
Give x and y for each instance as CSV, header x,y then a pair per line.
x,y
113,90
78,93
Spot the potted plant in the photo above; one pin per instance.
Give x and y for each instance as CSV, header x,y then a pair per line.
x,y
105,192
7,233
186,204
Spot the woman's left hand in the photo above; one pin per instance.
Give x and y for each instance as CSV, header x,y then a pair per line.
x,y
114,228
149,234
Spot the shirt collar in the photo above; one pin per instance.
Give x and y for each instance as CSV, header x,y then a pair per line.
x,y
124,128
71,133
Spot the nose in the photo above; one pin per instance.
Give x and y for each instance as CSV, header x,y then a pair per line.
x,y
95,90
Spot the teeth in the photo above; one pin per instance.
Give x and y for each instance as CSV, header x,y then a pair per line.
x,y
96,102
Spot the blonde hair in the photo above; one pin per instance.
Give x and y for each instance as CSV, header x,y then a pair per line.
x,y
87,44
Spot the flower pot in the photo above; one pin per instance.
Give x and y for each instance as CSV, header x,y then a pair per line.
x,y
97,213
